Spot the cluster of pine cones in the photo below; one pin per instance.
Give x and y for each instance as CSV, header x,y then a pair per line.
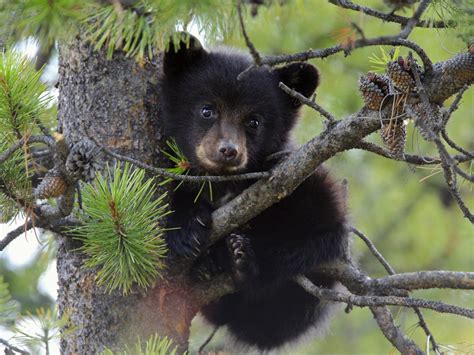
x,y
397,83
83,162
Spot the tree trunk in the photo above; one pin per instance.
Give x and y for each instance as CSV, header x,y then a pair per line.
x,y
115,101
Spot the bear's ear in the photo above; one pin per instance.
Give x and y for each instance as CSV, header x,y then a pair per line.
x,y
182,55
301,77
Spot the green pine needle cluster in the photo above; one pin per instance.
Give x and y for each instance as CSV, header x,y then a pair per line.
x,y
47,20
151,23
121,233
39,329
155,345
178,159
181,166
23,102
460,12
8,307
23,98
135,29
379,63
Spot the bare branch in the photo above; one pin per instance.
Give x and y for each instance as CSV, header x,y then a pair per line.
x,y
307,102
385,321
11,236
18,144
447,162
13,348
166,173
382,315
360,43
374,250
453,144
389,17
256,56
412,22
375,301
428,279
391,271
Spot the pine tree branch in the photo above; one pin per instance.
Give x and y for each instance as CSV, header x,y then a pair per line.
x,y
414,20
374,250
400,341
11,236
360,43
447,162
410,158
165,173
375,301
12,349
253,51
346,4
18,144
307,102
427,280
391,271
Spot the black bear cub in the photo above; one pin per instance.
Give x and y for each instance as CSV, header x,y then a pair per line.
x,y
225,125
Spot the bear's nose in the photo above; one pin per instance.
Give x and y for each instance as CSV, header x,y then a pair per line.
x,y
228,150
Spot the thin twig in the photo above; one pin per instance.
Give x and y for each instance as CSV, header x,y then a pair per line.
x,y
390,17
13,348
11,236
20,143
360,43
256,56
307,102
453,144
414,20
463,174
208,339
455,105
374,250
166,173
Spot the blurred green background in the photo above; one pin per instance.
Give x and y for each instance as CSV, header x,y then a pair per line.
x,y
406,210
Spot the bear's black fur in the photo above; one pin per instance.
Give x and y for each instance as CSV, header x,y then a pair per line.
x,y
225,125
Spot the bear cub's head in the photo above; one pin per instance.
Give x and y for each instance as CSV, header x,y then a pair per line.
x,y
222,123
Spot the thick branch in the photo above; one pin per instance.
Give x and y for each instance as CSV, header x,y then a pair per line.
x,y
375,301
428,279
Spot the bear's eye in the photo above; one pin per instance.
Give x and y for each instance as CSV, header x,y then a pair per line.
x,y
253,123
207,112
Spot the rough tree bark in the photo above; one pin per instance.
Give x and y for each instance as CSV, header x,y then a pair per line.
x,y
115,102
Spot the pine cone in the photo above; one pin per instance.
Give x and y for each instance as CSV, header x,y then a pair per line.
x,y
461,67
434,122
52,185
400,73
374,89
394,133
84,160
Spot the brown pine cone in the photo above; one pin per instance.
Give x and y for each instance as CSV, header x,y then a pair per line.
x,y
394,133
53,185
85,159
374,89
400,73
